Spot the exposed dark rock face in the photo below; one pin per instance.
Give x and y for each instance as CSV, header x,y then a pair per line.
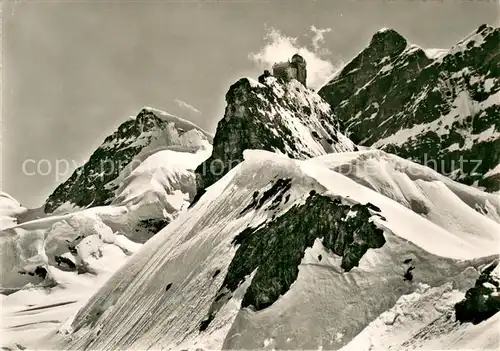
x,y
92,184
152,225
276,250
216,273
384,48
267,117
66,261
481,301
41,272
277,190
409,275
205,323
446,109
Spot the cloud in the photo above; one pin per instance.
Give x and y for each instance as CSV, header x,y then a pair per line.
x,y
185,105
319,37
280,47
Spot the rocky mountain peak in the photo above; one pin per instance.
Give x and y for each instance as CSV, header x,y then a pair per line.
x,y
389,39
439,105
273,115
147,118
92,184
481,32
384,47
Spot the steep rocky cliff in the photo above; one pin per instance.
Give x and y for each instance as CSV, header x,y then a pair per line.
x,y
273,115
439,108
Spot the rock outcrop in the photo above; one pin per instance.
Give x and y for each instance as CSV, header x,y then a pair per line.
x,y
284,117
276,250
483,300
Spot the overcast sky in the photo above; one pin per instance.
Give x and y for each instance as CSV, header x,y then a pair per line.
x,y
74,70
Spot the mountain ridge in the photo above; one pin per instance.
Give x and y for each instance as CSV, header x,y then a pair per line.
x,y
451,102
289,222
212,318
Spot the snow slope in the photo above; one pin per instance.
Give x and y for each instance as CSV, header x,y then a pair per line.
x,y
469,230
417,187
424,320
37,310
166,177
80,237
91,252
160,297
75,253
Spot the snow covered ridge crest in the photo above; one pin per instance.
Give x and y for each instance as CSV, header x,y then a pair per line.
x,y
419,188
275,115
275,250
395,97
94,183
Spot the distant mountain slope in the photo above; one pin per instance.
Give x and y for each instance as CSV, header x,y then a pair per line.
x,y
272,115
10,210
156,191
440,110
94,183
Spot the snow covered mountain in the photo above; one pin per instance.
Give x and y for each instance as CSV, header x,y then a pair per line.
x,y
149,192
277,247
31,251
146,165
52,265
273,115
417,187
156,155
439,110
284,234
95,183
